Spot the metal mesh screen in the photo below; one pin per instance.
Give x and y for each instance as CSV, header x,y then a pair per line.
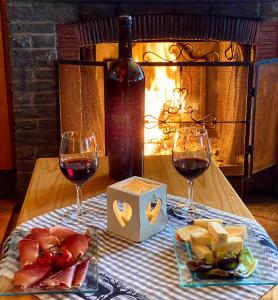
x,y
266,125
82,100
194,92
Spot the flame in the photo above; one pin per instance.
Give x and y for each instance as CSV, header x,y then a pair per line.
x,y
159,95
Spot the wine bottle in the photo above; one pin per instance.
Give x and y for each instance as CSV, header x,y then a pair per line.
x,y
125,90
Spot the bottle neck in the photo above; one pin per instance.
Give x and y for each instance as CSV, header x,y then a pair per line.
x,y
125,41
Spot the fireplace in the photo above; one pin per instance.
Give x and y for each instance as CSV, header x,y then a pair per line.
x,y
206,82
76,33
182,90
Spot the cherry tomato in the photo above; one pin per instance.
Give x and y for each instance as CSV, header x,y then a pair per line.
x,y
63,259
44,258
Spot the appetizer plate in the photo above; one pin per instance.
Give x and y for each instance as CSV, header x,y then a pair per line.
x,y
265,274
9,265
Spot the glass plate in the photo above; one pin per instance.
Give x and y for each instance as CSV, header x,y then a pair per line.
x,y
264,274
9,265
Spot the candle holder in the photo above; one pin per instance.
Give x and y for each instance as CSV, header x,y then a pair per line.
x,y
136,208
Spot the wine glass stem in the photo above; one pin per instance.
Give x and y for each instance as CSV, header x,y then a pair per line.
x,y
190,195
79,199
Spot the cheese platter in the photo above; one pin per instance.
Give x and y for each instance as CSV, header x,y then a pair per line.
x,y
211,253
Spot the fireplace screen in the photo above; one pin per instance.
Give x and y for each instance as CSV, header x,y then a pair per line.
x,y
178,91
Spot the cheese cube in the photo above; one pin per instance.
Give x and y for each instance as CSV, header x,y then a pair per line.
x,y
217,246
220,254
183,234
235,244
200,239
236,231
218,233
204,222
203,252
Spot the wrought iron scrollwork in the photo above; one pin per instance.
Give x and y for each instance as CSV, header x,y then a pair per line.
x,y
208,121
163,120
233,51
183,52
230,52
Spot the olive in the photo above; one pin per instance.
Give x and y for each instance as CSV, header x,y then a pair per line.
x,y
228,263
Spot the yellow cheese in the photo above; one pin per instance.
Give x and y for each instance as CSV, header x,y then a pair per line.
x,y
203,252
183,234
217,246
218,233
200,239
220,254
204,222
236,231
235,244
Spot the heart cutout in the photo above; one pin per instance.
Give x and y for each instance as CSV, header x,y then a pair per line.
x,y
122,211
152,210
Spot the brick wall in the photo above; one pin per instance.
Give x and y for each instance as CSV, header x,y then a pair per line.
x,y
32,54
33,51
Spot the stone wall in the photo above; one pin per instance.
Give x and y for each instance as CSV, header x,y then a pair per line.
x,y
33,53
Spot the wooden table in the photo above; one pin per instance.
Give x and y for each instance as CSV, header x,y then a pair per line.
x,y
49,190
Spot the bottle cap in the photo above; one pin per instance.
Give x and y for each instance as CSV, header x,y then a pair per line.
x,y
124,19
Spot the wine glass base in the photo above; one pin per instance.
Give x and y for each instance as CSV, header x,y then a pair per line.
x,y
73,217
185,212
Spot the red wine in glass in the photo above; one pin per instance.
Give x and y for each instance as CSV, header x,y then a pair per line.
x,y
191,167
190,157
78,171
78,161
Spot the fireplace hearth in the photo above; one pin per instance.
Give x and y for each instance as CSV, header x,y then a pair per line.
x,y
77,32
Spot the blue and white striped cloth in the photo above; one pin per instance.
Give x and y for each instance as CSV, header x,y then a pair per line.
x,y
148,270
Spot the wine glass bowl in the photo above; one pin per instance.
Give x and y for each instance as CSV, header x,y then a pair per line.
x,y
78,170
190,157
78,160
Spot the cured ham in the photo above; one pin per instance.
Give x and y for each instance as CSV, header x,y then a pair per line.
x,y
39,230
49,258
45,239
80,273
30,274
61,233
61,279
28,251
77,244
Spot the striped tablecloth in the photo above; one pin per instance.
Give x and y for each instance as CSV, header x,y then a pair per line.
x,y
148,270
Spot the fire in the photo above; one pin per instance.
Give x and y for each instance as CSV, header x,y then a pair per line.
x,y
159,96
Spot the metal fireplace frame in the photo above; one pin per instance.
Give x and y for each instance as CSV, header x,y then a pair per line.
x,y
76,44
209,122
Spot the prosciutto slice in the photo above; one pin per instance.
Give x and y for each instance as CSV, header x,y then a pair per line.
x,y
28,251
30,274
61,233
39,230
80,273
77,244
45,239
61,279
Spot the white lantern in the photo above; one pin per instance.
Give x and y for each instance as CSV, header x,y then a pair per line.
x,y
136,208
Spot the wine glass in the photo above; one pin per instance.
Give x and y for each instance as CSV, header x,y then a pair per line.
x,y
190,157
78,161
